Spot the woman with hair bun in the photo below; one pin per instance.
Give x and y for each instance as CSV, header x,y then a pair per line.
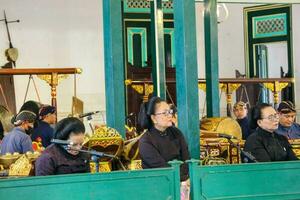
x,y
265,144
162,142
57,159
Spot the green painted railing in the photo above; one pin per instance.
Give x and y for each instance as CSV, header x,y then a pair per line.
x,y
277,180
160,184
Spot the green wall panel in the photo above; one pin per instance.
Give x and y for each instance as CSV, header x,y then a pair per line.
x,y
277,180
121,185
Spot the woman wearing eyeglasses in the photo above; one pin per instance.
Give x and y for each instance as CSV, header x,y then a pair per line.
x,y
162,142
265,144
62,159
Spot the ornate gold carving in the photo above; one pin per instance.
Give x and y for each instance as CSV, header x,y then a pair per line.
x,y
143,89
138,88
148,89
229,87
276,87
223,87
233,86
128,82
21,167
202,86
229,98
104,167
105,137
53,79
135,165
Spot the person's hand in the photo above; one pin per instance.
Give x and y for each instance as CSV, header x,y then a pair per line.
x,y
188,182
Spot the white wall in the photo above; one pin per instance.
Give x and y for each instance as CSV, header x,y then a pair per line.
x,y
231,48
69,33
58,33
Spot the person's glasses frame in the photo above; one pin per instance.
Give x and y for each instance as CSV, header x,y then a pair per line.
x,y
166,113
273,117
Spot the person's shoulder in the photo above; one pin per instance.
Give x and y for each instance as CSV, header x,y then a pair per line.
x,y
52,149
45,157
146,136
280,137
175,131
43,125
296,125
253,136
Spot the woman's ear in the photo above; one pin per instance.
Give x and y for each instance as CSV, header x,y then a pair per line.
x,y
153,119
259,122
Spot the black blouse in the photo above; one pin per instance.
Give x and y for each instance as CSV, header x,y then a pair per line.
x,y
266,147
157,148
56,160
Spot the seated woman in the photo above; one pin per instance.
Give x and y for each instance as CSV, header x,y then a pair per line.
x,y
57,159
265,144
162,142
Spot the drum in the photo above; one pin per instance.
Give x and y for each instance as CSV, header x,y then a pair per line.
x,y
217,150
224,125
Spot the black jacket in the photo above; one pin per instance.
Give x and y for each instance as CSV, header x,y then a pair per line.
x,y
267,147
157,148
56,160
245,126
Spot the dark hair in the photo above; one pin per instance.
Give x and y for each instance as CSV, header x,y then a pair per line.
x,y
146,110
256,113
174,108
32,106
67,126
286,107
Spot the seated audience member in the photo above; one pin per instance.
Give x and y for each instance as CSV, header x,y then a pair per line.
x,y
162,142
265,144
63,159
44,132
287,125
240,111
18,139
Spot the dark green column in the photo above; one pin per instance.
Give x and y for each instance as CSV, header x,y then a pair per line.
x,y
187,73
157,47
211,58
114,65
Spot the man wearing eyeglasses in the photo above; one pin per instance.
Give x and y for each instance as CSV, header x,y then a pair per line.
x,y
287,125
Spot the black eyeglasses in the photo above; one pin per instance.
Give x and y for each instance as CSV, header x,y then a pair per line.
x,y
273,117
165,113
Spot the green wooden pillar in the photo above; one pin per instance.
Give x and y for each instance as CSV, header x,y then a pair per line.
x,y
187,73
211,58
114,65
157,47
